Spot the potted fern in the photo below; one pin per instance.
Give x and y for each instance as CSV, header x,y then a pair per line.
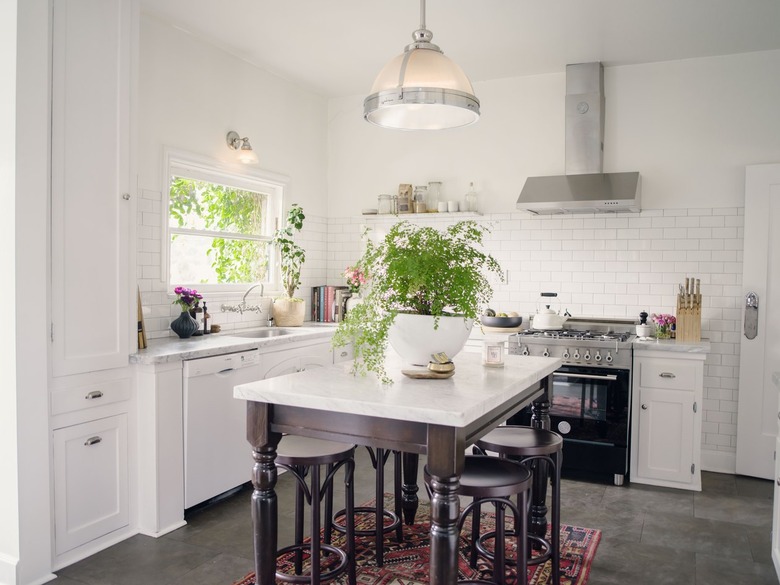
x,y
424,285
289,310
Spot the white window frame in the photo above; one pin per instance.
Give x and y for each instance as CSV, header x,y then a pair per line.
x,y
203,168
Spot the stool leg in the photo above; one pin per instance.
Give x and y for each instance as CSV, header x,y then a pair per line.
x,y
380,507
555,537
397,495
499,553
328,516
315,524
298,562
523,549
349,488
475,518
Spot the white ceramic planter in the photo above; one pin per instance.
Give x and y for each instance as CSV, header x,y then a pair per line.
x,y
414,338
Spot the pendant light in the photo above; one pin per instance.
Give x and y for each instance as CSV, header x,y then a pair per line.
x,y
421,89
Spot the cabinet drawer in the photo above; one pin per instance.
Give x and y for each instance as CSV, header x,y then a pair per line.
x,y
90,396
343,354
670,374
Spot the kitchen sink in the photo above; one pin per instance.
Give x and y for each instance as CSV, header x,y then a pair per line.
x,y
262,333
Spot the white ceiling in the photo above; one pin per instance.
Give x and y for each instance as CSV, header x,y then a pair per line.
x,y
337,47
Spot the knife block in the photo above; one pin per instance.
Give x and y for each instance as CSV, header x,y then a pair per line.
x,y
688,327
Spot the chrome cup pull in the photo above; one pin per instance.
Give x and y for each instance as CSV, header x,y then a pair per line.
x,y
93,395
92,441
667,375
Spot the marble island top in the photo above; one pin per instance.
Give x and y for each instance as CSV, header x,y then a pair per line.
x,y
457,401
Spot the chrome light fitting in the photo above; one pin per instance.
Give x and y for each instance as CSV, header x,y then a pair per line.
x,y
421,89
245,153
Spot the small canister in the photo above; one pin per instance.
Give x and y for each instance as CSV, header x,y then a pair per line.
x,y
385,204
493,353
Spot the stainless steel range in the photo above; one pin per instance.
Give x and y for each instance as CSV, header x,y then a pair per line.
x,y
591,392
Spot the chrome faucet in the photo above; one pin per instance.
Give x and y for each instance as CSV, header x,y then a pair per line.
x,y
242,306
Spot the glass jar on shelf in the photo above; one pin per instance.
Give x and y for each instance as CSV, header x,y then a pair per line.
x,y
385,204
434,195
471,199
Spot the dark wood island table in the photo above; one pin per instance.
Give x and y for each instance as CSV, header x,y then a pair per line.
x,y
437,418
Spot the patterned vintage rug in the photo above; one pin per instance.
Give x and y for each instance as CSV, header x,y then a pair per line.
x,y
407,563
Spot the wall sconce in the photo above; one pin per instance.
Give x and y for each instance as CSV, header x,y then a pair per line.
x,y
245,153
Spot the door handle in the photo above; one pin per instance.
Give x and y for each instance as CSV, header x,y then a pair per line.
x,y
751,315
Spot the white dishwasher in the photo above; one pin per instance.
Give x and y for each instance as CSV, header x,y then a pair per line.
x,y
217,456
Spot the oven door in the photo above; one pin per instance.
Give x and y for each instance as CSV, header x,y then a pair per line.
x,y
591,404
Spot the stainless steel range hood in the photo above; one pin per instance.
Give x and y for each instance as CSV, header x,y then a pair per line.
x,y
585,188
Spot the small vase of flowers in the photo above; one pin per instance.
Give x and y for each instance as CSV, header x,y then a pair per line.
x,y
187,298
355,279
663,325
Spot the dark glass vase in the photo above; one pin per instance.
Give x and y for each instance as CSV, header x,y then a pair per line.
x,y
184,325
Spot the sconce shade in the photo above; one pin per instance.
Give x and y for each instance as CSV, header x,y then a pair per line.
x,y
246,155
421,89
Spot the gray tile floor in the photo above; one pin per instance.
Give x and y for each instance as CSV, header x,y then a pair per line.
x,y
652,536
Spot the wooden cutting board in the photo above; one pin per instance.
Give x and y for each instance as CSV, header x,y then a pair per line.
x,y
427,374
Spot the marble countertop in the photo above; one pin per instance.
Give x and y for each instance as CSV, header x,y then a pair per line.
x,y
456,401
171,349
672,345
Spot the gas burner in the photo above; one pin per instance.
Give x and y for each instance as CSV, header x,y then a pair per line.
x,y
574,334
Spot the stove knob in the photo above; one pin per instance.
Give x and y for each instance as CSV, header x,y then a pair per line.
x,y
525,350
597,357
586,357
567,356
546,353
576,354
609,357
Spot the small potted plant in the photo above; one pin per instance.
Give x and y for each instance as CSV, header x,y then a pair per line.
x,y
423,285
187,298
289,310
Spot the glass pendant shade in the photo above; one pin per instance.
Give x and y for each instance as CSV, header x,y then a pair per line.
x,y
421,89
247,156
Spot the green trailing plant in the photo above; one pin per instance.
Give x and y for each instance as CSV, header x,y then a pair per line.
x,y
418,270
292,255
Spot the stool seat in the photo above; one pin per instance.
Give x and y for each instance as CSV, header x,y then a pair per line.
x,y
295,450
521,441
489,477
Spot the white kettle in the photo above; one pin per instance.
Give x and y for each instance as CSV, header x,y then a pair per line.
x,y
547,318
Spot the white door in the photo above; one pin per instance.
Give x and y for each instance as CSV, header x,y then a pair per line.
x,y
758,401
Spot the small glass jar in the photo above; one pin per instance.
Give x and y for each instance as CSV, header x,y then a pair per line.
x,y
493,353
385,204
471,199
434,193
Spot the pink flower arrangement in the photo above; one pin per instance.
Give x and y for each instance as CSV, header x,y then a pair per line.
x,y
355,278
663,319
187,298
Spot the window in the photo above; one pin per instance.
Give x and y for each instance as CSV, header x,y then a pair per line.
x,y
220,224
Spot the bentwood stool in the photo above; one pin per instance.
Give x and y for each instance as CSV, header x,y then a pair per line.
x,y
303,456
379,458
494,480
533,446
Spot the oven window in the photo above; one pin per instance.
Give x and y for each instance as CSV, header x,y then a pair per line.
x,y
579,399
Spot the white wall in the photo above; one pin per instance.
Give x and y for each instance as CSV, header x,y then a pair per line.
x,y
688,126
191,94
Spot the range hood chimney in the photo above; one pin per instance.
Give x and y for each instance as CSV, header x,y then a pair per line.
x,y
585,188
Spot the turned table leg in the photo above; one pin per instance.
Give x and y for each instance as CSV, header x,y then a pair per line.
x,y
540,419
409,489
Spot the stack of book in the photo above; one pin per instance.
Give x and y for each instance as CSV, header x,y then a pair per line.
x,y
328,303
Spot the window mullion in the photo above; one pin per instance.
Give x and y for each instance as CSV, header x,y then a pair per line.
x,y
219,234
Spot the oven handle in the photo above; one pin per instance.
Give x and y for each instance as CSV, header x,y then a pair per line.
x,y
610,377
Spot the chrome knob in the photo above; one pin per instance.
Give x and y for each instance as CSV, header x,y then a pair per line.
x,y
567,356
586,357
597,357
609,357
525,350
576,354
644,407
546,353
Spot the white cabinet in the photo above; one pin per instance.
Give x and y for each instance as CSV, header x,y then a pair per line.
x,y
776,503
666,418
90,481
91,184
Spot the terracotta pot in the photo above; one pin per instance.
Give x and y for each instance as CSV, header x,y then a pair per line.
x,y
414,338
289,312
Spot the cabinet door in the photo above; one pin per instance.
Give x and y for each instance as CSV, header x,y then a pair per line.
x,y
90,175
295,359
316,356
665,434
90,481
